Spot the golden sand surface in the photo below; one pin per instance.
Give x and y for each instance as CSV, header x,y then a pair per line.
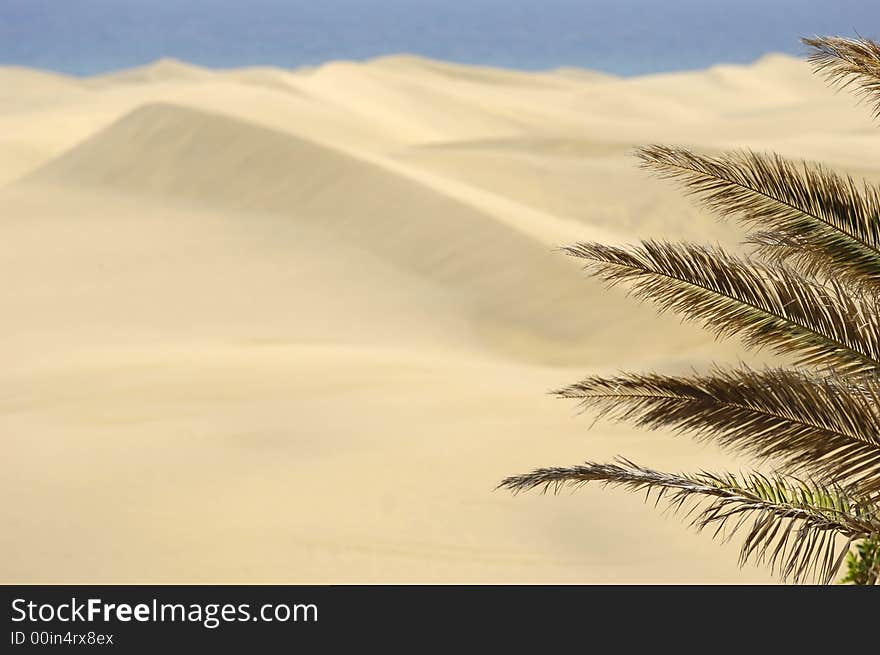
x,y
294,326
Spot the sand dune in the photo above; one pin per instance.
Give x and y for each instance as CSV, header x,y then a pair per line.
x,y
583,75
29,88
293,326
390,97
163,70
480,75
206,160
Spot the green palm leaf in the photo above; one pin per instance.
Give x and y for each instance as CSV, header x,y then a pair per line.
x,y
822,222
826,427
794,525
811,291
849,63
769,305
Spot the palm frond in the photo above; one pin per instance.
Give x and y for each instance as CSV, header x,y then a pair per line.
x,y
792,524
770,305
820,425
810,290
823,222
849,62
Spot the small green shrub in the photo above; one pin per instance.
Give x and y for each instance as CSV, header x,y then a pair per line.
x,y
863,564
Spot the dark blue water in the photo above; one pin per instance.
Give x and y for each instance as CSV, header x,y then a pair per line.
x,y
620,36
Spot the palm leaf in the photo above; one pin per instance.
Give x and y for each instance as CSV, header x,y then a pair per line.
x,y
770,305
849,63
815,297
792,524
825,223
820,425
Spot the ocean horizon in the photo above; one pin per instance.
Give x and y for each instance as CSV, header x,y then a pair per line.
x,y
623,37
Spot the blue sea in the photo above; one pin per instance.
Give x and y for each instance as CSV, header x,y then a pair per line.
x,y
625,37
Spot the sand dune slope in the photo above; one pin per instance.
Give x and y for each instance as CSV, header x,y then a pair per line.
x,y
517,296
27,89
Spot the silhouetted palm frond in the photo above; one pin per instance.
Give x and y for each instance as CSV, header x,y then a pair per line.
x,y
770,305
824,426
792,524
849,63
823,222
